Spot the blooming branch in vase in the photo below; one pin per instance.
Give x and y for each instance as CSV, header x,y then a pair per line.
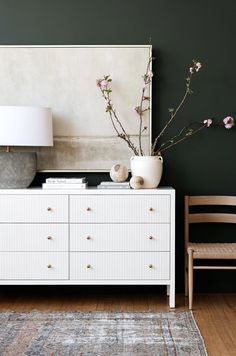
x,y
104,85
158,147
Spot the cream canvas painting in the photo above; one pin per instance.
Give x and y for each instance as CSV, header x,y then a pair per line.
x,y
64,78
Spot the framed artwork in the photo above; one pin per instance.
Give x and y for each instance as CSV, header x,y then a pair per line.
x,y
64,79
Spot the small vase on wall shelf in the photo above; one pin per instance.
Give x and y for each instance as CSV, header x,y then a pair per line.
x,y
149,168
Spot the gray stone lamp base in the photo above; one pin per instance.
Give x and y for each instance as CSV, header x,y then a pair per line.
x,y
17,169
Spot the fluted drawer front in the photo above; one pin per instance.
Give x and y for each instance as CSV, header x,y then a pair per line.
x,y
33,237
33,265
120,208
33,208
119,237
119,265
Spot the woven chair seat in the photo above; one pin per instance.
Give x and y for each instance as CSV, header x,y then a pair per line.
x,y
213,250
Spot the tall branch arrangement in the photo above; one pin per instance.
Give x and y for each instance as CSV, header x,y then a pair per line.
x,y
158,148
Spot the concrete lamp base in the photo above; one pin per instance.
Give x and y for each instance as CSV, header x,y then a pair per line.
x,y
17,169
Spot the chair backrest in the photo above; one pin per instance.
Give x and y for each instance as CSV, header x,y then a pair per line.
x,y
203,217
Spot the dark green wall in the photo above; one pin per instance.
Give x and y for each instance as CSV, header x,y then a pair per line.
x,y
180,30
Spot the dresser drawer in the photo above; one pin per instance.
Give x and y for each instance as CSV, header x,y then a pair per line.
x,y
119,237
33,237
119,265
120,208
33,265
33,208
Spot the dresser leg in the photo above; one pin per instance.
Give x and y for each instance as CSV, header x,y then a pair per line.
x,y
168,290
172,296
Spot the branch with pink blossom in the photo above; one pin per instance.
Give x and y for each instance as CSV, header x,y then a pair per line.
x,y
173,112
185,132
192,129
105,88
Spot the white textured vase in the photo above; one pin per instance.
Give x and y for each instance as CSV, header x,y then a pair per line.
x,y
149,168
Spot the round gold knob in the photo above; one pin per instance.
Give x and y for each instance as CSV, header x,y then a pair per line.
x,y
150,266
151,237
88,238
49,237
49,266
88,266
151,209
88,209
49,209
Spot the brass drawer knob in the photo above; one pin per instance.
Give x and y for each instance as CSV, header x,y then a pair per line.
x,y
151,266
49,237
151,209
49,209
88,238
88,209
88,266
49,266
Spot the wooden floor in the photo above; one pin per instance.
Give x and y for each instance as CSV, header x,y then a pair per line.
x,y
215,314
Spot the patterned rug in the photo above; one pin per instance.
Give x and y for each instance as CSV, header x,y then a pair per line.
x,y
100,334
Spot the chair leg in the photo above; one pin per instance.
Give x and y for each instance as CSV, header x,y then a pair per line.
x,y
190,278
186,274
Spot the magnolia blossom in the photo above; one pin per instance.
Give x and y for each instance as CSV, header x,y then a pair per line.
x,y
198,66
195,68
228,122
208,122
102,83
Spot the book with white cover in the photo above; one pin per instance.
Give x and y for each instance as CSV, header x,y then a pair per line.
x,y
115,183
65,186
65,180
113,186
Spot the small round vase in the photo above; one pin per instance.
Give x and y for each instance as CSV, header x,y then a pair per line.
x,y
149,168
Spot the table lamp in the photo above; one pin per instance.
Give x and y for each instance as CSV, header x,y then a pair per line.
x,y
22,126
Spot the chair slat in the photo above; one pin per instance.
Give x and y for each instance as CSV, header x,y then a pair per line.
x,y
212,218
212,200
215,267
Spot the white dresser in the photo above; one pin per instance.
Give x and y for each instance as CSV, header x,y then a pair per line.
x,y
88,237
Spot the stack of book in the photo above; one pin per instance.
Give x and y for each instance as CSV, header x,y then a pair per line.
x,y
113,185
65,183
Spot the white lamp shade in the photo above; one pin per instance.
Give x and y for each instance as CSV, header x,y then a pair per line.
x,y
25,126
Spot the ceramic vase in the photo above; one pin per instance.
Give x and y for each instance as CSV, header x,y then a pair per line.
x,y
149,168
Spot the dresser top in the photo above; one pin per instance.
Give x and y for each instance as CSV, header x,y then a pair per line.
x,y
89,191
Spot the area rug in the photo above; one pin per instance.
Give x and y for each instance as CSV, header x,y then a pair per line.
x,y
100,334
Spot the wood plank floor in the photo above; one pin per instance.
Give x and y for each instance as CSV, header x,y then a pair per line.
x,y
215,314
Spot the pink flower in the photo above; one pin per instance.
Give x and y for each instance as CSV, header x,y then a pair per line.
x,y
102,84
228,122
195,68
198,66
207,122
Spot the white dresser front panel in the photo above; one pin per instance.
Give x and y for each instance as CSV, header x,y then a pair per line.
x,y
120,208
119,265
33,265
34,237
33,208
120,237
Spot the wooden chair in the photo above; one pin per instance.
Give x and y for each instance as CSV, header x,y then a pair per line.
x,y
224,251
